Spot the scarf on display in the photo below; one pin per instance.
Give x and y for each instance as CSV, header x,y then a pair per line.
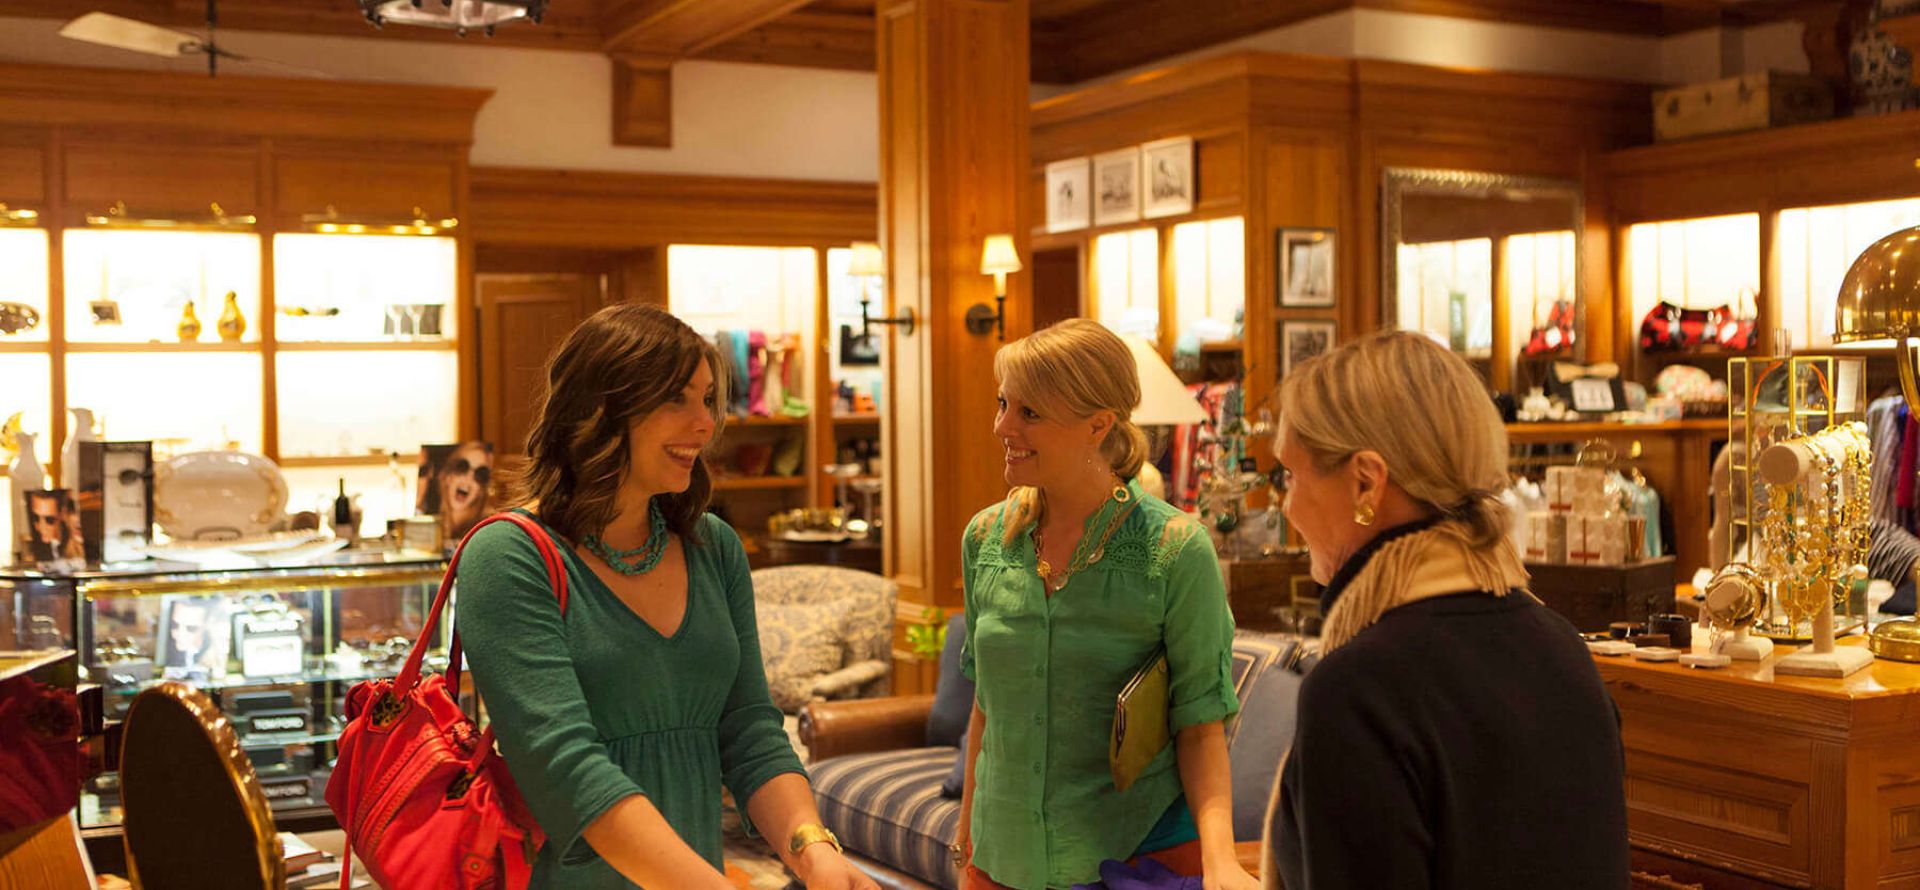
x,y
1408,563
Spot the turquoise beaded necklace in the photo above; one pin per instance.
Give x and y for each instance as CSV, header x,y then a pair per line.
x,y
642,559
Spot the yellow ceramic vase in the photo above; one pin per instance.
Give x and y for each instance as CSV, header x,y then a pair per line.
x,y
232,324
189,328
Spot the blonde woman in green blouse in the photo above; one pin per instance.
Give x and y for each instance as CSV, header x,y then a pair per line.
x,y
1073,583
621,719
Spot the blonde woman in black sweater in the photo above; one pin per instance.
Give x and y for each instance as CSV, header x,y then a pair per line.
x,y
1455,733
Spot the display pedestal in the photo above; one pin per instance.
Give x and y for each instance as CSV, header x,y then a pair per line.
x,y
1744,646
1823,659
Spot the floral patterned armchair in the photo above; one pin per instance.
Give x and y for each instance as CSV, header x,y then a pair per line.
x,y
826,632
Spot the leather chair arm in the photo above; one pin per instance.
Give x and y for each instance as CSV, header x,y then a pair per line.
x,y
864,725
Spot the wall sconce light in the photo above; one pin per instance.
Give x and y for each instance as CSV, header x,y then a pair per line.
x,y
868,264
997,258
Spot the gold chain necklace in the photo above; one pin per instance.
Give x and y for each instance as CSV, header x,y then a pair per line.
x,y
1083,556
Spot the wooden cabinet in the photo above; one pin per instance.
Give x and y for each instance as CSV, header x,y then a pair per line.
x,y
170,147
162,180
1794,781
365,188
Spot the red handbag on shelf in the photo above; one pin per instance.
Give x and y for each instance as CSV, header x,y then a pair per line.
x,y
1556,334
1669,328
417,789
1733,326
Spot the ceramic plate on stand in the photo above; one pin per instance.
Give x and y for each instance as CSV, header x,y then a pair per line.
x,y
218,496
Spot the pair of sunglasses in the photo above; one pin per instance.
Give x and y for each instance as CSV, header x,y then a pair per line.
x,y
462,467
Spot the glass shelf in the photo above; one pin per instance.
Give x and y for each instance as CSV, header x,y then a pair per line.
x,y
398,401
1209,280
264,740
23,279
133,287
365,289
1126,282
1693,264
435,659
208,399
1814,247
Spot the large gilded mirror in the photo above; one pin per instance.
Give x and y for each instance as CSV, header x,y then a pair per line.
x,y
1485,263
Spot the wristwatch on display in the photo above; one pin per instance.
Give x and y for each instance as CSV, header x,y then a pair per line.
x,y
811,833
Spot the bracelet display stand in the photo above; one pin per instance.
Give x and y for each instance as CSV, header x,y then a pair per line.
x,y
1787,463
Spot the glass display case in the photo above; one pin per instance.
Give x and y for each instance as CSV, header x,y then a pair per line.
x,y
277,646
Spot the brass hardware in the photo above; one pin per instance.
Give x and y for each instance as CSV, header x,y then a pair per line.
x,y
357,578
216,220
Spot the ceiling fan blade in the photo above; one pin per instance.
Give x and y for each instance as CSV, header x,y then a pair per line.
x,y
138,36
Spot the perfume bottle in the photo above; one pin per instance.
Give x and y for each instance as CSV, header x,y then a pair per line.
x,y
343,524
232,324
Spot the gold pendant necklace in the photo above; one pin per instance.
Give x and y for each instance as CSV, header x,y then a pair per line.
x,y
1083,557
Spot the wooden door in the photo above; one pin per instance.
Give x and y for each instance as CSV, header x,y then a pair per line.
x,y
1056,285
522,319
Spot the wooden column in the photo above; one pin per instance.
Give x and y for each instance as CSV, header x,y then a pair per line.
x,y
953,166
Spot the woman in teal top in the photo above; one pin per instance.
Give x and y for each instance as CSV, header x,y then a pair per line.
x,y
1073,583
621,719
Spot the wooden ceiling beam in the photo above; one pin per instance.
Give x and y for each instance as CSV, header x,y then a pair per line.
x,y
806,39
682,28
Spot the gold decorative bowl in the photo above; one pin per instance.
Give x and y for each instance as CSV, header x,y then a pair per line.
x,y
1896,638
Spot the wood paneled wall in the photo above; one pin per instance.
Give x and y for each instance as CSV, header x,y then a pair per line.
x,y
1767,171
1299,141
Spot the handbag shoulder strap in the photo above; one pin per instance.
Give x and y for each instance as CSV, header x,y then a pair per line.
x,y
556,580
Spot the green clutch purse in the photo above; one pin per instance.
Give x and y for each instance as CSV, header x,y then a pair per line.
x,y
1140,727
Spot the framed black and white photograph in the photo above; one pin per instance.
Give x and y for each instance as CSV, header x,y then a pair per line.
x,y
1302,340
1306,268
1168,176
1069,195
1116,186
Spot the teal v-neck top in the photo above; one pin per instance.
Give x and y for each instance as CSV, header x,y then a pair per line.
x,y
596,706
1045,809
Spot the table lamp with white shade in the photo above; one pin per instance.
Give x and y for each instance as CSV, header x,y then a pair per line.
x,y
1164,402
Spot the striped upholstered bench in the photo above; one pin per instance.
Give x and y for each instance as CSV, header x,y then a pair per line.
x,y
880,792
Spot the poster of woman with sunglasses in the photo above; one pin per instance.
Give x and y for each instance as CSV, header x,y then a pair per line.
x,y
453,485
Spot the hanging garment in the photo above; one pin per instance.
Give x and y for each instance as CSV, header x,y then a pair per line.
x,y
1885,428
776,375
757,374
795,383
742,346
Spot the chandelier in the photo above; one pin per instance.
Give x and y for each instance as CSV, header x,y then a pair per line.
x,y
456,15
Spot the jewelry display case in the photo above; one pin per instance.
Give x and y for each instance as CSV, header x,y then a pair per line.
x,y
276,646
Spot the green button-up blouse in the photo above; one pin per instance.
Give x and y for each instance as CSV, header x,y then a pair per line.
x,y
1045,809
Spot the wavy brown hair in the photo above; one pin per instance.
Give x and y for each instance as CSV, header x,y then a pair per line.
x,y
614,369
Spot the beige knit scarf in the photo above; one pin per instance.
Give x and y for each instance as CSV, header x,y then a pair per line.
x,y
1435,561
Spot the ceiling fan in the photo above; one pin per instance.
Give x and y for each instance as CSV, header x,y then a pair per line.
x,y
138,36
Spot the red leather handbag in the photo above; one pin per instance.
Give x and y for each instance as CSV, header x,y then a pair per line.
x,y
417,789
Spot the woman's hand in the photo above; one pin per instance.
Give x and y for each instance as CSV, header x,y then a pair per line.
x,y
1231,877
824,868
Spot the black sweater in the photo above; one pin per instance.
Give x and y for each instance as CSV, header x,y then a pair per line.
x,y
1461,741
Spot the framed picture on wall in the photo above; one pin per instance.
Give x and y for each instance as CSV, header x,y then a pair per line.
x,y
1306,267
1069,195
1116,186
1168,176
1302,340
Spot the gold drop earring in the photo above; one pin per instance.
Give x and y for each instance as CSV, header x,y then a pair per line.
x,y
1363,513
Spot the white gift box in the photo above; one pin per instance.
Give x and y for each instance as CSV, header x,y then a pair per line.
x,y
1546,536
1597,539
